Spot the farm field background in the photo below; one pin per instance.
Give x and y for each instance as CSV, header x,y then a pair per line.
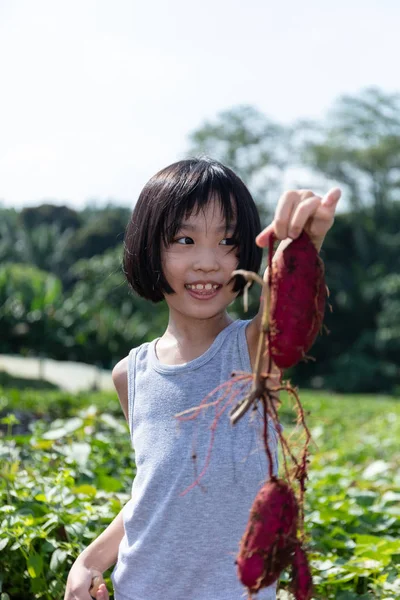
x,y
67,469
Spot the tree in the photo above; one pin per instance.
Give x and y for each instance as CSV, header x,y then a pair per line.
x,y
358,146
106,319
45,246
103,229
9,221
48,214
28,300
251,145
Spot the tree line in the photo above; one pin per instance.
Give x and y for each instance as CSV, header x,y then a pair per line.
x,y
62,290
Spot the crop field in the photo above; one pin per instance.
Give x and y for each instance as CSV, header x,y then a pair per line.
x,y
67,468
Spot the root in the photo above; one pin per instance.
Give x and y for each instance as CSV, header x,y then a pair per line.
x,y
220,405
250,276
256,391
192,413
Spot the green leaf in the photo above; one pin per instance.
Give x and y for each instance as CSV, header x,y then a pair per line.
x,y
390,496
35,565
78,452
75,529
10,419
42,444
68,427
41,498
113,423
322,565
378,467
109,484
57,559
3,543
87,490
8,508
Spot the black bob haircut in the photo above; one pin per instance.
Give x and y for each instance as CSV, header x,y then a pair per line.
x,y
173,194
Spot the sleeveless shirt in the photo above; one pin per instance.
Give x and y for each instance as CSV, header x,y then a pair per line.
x,y
181,538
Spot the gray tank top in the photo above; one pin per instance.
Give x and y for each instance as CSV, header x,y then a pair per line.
x,y
183,546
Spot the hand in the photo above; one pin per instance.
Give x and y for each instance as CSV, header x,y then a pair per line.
x,y
84,584
302,210
98,588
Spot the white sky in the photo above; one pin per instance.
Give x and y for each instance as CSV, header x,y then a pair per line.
x,y
96,96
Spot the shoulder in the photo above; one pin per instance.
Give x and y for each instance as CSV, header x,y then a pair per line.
x,y
120,380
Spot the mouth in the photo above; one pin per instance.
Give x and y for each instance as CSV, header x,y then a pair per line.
x,y
203,291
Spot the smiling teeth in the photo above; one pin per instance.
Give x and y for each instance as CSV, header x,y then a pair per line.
x,y
201,286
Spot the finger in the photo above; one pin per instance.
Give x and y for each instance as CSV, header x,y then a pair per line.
x,y
102,593
302,213
283,212
304,194
263,238
331,199
97,581
281,220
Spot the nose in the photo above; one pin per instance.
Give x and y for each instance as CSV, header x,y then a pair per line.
x,y
206,260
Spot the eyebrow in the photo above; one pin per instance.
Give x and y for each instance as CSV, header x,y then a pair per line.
x,y
220,229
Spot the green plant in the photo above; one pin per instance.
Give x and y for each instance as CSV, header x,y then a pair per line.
x,y
65,478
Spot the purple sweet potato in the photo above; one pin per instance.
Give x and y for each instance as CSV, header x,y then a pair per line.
x,y
301,585
268,543
298,296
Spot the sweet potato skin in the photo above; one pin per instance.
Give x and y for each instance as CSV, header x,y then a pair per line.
x,y
301,585
268,543
298,298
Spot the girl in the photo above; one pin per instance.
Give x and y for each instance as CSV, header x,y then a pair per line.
x,y
177,537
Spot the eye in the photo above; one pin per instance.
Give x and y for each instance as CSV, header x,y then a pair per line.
x,y
228,242
185,240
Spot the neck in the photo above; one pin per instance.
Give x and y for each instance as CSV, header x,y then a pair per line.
x,y
186,339
195,331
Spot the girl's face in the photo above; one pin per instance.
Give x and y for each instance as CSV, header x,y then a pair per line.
x,y
198,264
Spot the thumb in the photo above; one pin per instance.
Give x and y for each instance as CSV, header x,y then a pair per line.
x,y
331,199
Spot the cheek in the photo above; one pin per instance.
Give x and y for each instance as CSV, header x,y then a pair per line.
x,y
233,260
232,265
168,261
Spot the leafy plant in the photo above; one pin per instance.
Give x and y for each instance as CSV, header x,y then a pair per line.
x,y
68,472
58,488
